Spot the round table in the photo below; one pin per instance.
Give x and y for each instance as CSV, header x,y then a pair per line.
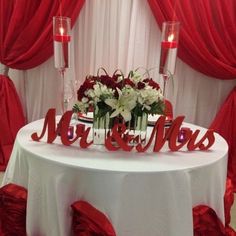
x,y
141,193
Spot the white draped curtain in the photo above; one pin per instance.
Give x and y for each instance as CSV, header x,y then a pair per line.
x,y
119,34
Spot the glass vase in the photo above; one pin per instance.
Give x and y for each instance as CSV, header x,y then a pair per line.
x,y
169,47
61,42
101,127
137,127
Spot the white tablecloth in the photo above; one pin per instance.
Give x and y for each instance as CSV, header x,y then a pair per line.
x,y
143,194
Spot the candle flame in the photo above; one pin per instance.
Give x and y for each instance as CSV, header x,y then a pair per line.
x,y
61,30
171,38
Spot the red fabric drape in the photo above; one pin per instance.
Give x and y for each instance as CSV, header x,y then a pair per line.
x,y
10,120
225,124
228,200
26,29
26,40
207,36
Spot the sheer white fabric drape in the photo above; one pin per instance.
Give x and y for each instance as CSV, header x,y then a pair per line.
x,y
120,34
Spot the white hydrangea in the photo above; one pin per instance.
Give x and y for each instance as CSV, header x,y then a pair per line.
x,y
148,96
83,104
136,78
98,91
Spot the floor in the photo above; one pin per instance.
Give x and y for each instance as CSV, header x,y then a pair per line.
x,y
233,210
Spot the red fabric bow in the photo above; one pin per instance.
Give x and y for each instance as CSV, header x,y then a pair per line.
x,y
13,199
88,221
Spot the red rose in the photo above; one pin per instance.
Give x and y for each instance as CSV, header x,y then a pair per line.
x,y
141,85
129,82
153,84
108,81
88,84
115,77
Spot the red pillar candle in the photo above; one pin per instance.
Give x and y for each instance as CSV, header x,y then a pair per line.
x,y
61,36
169,45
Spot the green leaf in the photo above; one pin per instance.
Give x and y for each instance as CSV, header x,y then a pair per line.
x,y
75,108
102,110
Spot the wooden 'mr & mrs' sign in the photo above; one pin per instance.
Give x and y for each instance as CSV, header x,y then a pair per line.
x,y
158,135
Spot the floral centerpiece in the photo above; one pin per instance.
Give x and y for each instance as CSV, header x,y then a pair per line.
x,y
126,99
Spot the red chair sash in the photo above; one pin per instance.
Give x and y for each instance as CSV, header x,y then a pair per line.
x,y
206,222
88,221
13,199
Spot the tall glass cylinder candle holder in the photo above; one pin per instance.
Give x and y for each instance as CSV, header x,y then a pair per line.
x,y
169,46
61,41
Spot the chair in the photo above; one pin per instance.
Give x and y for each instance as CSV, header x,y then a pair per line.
x,y
89,221
13,199
206,222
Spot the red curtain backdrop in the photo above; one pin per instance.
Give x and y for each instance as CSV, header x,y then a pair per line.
x,y
11,118
26,29
26,41
225,124
207,36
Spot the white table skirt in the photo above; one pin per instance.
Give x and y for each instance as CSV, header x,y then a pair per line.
x,y
143,194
